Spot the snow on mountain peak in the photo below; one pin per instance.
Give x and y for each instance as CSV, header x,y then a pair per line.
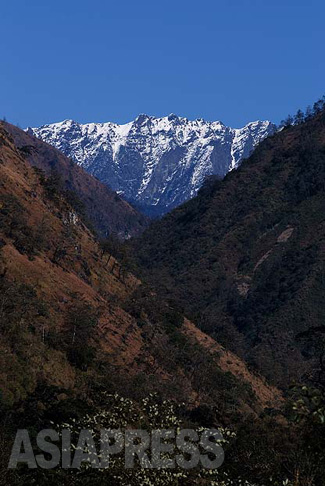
x,y
155,162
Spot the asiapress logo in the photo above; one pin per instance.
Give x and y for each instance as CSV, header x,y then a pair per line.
x,y
158,449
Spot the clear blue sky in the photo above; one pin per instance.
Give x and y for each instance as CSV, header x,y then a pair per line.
x,y
100,60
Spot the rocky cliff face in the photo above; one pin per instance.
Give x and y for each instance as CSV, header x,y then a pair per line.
x,y
156,163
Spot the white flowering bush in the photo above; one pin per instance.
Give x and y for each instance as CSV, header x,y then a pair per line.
x,y
120,413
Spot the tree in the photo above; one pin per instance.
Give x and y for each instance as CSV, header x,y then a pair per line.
x,y
81,322
53,185
318,106
309,113
287,122
299,117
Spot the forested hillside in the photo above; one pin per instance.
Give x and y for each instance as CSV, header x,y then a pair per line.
x,y
246,258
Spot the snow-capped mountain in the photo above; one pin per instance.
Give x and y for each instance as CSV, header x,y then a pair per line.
x,y
156,163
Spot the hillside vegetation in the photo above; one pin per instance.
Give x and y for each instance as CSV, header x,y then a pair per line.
x,y
245,259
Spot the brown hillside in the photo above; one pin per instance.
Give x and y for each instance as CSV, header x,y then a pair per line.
x,y
108,213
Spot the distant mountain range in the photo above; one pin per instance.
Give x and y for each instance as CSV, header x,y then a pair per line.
x,y
155,163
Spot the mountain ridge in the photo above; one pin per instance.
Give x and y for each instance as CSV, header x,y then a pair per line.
x,y
155,163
